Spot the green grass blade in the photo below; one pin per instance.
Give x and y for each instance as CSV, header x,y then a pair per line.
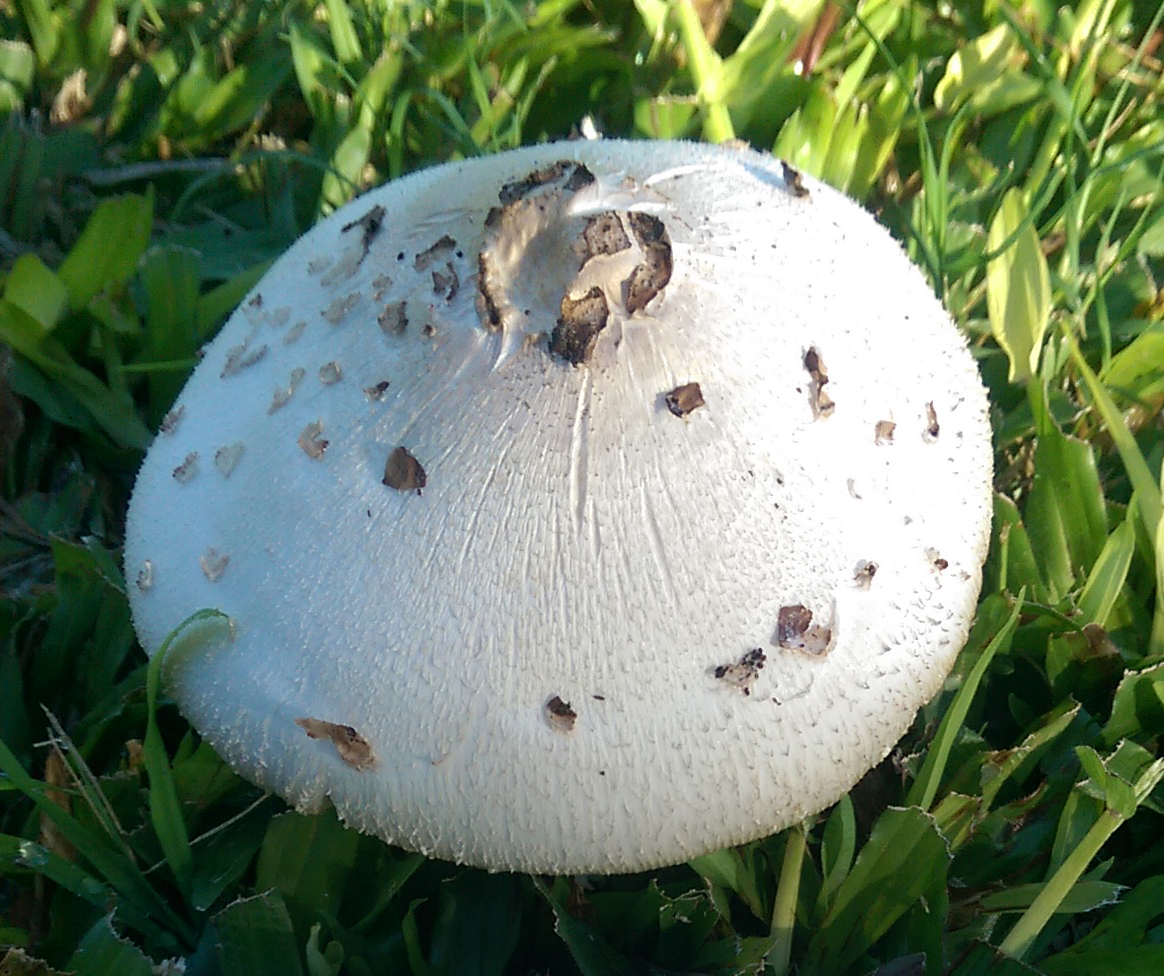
x,y
925,787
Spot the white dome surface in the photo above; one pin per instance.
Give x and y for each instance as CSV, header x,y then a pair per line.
x,y
503,585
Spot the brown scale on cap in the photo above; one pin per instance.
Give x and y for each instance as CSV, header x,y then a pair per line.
x,y
171,420
684,399
312,442
560,714
214,562
743,673
932,429
241,357
352,747
883,432
822,404
187,469
226,458
403,472
283,394
795,631
393,320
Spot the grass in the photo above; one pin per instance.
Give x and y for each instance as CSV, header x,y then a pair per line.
x,y
155,156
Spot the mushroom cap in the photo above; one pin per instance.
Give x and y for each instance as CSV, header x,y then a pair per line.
x,y
583,508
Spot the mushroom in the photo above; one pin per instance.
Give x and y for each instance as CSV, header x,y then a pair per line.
x,y
632,617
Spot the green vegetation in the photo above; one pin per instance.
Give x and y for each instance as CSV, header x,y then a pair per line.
x,y
155,155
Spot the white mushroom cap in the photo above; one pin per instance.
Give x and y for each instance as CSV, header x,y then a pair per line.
x,y
583,508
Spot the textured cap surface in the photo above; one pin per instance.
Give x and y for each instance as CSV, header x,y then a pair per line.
x,y
583,508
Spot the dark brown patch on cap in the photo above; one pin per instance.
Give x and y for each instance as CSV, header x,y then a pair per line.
x,y
487,307
377,390
577,176
403,472
930,434
744,672
561,716
794,180
936,560
446,283
683,399
822,404
352,747
580,322
604,234
433,253
369,225
864,573
651,275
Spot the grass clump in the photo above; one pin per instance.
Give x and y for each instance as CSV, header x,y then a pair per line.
x,y
156,156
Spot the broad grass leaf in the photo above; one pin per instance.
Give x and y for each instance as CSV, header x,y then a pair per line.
x,y
255,936
477,926
17,71
1119,961
1084,896
1011,563
925,787
986,73
29,855
838,845
1108,574
171,278
1065,515
344,39
109,248
1018,286
69,382
905,856
307,860
31,285
592,954
103,952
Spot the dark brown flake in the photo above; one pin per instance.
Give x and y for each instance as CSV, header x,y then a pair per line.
x,y
794,180
434,253
684,399
561,716
864,573
883,432
578,326
403,472
743,673
795,631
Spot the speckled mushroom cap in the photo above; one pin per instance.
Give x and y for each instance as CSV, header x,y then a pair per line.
x,y
583,508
